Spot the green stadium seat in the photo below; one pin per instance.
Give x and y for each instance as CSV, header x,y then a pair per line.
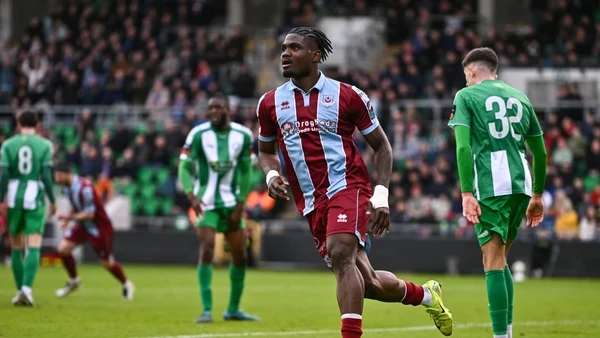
x,y
69,133
590,182
166,206
162,175
136,206
148,191
130,190
150,207
144,175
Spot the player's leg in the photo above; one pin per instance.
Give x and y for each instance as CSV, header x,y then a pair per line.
x,y
384,286
346,224
103,245
236,238
73,237
65,249
492,233
519,205
16,223
206,231
34,229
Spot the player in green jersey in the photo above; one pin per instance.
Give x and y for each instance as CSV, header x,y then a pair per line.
x,y
25,158
492,122
220,151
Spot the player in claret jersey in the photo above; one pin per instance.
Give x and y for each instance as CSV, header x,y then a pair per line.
x,y
25,158
312,119
492,122
91,224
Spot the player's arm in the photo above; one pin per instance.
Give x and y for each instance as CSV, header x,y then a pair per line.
x,y
460,120
89,207
4,172
47,180
245,169
535,141
366,121
187,160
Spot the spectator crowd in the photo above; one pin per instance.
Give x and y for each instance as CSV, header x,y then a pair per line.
x,y
163,57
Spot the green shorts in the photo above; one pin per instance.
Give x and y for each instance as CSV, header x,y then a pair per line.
x,y
217,219
27,222
502,215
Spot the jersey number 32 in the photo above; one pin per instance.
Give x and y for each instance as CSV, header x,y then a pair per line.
x,y
497,105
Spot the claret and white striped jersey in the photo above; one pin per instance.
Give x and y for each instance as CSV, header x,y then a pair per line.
x,y
314,130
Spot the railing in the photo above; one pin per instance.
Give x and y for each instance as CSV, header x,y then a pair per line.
x,y
434,111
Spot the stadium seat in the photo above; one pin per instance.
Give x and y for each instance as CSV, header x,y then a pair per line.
x,y
162,175
130,190
135,206
166,206
144,176
148,191
590,182
150,207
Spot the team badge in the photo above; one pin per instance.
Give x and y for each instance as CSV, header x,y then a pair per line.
x,y
328,101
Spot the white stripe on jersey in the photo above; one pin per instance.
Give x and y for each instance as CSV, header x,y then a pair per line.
x,y
501,173
209,145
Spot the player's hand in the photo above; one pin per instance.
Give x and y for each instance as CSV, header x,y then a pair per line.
x,y
52,209
535,211
381,220
277,188
471,209
62,216
64,223
196,204
236,215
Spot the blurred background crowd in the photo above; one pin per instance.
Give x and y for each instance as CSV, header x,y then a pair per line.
x,y
162,59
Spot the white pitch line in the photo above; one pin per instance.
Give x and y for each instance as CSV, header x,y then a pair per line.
x,y
377,330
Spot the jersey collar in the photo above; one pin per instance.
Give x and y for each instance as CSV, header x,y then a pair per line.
x,y
318,86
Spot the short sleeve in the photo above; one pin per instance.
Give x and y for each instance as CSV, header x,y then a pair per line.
x,y
188,152
461,114
4,155
365,118
534,124
267,131
87,195
246,153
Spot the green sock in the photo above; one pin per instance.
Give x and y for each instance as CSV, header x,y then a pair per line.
x,y
205,281
498,300
32,262
510,288
16,263
237,275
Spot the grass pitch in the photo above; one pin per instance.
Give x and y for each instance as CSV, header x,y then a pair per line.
x,y
291,304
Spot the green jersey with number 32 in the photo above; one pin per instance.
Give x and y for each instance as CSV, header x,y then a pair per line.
x,y
24,156
500,118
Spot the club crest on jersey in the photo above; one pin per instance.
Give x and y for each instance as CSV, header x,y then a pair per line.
x,y
328,101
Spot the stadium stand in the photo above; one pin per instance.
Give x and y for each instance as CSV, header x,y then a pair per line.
x,y
112,67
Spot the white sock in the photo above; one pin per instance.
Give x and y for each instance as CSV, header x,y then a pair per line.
x,y
26,289
426,297
74,280
351,316
500,336
509,332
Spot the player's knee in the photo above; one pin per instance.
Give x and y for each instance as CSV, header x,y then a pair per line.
x,y
106,263
342,256
239,258
494,260
16,242
207,251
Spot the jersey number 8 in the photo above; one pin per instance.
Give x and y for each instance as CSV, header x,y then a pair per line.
x,y
25,160
506,121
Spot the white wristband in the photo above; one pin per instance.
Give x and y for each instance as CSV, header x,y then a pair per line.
x,y
271,174
380,197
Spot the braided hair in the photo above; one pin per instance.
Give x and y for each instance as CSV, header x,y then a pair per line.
x,y
314,34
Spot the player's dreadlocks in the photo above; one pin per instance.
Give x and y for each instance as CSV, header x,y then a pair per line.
x,y
322,41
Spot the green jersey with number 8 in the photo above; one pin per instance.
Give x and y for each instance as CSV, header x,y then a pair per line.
x,y
500,118
24,156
